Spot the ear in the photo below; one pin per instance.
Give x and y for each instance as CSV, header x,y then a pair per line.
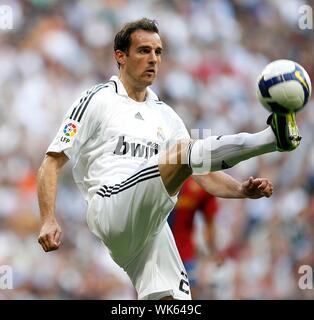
x,y
120,57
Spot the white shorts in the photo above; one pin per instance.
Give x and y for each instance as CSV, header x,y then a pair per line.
x,y
131,219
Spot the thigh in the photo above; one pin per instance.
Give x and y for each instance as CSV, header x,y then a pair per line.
x,y
127,215
158,270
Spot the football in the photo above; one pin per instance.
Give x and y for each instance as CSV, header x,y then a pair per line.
x,y
283,87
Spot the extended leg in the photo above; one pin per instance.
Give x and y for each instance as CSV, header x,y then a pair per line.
x,y
217,153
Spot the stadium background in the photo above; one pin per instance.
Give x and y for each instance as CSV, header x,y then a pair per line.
x,y
214,51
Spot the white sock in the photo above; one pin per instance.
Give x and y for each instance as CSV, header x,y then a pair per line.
x,y
223,152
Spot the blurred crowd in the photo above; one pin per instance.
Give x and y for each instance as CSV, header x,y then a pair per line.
x,y
214,51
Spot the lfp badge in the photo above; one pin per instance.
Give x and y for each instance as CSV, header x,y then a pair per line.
x,y
70,130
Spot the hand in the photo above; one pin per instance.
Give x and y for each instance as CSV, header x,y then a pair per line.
x,y
255,188
49,237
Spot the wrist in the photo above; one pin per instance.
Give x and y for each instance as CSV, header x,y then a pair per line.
x,y
48,219
241,191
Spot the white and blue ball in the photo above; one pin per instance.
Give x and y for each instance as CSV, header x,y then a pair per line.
x,y
283,87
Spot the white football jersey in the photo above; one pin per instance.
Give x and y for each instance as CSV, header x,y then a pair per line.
x,y
111,136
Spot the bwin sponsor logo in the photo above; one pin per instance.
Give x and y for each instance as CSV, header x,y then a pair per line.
x,y
136,149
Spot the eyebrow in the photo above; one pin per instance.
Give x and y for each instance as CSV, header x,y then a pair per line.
x,y
149,47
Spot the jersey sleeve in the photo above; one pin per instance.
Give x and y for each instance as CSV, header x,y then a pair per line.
x,y
79,123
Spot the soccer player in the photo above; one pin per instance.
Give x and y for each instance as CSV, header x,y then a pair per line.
x,y
132,153
192,200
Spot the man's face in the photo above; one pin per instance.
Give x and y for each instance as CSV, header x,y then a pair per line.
x,y
142,61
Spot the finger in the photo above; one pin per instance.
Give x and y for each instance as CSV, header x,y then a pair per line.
x,y
265,193
53,245
256,182
57,236
268,191
39,241
262,185
47,242
43,243
265,183
269,186
249,183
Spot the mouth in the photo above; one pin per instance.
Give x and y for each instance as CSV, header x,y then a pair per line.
x,y
150,71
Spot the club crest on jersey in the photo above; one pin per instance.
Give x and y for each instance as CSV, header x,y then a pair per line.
x,y
136,149
69,132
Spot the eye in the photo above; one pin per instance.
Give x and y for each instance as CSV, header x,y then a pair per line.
x,y
144,50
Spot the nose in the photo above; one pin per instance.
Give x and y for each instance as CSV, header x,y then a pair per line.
x,y
153,57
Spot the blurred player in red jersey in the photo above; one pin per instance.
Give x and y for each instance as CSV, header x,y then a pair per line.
x,y
193,199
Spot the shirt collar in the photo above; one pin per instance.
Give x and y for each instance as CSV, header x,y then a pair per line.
x,y
151,95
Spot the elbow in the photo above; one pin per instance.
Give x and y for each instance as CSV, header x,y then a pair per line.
x,y
51,164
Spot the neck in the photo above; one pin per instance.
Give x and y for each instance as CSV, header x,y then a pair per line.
x,y
137,93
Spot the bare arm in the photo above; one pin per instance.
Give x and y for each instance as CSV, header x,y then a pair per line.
x,y
47,179
222,185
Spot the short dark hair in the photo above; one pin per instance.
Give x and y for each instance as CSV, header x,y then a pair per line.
x,y
122,40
